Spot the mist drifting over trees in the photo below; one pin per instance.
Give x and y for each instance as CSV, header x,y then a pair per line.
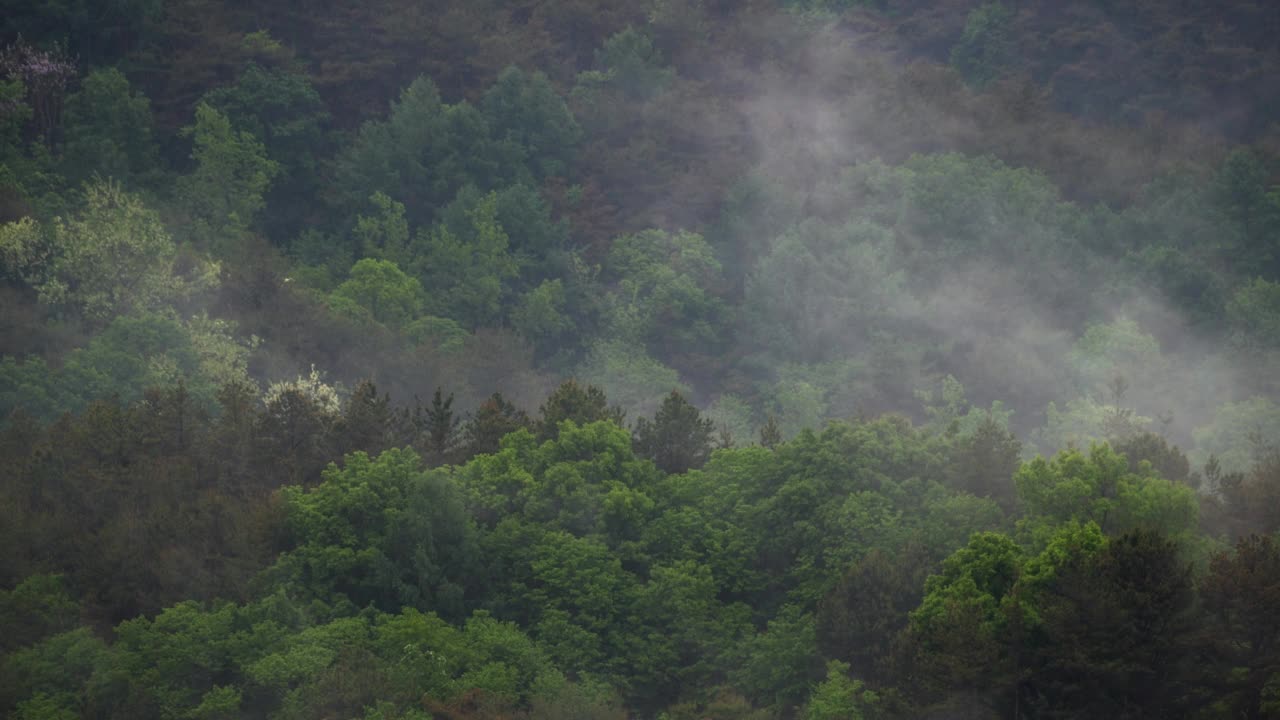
x,y
676,359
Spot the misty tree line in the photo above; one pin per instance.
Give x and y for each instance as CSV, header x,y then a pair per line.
x,y
169,562
883,357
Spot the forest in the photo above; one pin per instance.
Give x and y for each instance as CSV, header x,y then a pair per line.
x,y
652,360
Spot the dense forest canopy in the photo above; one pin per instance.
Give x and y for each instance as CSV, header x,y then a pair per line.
x,y
670,359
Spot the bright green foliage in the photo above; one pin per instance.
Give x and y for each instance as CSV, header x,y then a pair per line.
x,y
839,697
974,577
226,190
223,357
379,290
464,274
587,481
962,632
108,131
112,258
378,531
170,660
24,251
1100,488
443,661
802,514
578,596
1071,541
218,704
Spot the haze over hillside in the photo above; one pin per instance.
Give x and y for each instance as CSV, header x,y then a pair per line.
x,y
679,359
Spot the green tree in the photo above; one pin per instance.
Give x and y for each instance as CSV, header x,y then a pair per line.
x,y
37,607
424,153
1254,314
1242,637
492,421
816,284
664,293
677,439
1238,434
637,381
379,290
524,109
961,635
382,531
840,697
586,481
983,463
384,235
280,107
1100,488
538,243
858,619
465,275
985,49
777,667
1115,627
438,425
227,189
541,317
629,62
108,131
112,258
577,402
